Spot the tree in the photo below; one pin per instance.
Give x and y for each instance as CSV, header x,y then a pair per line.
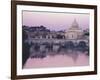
x,y
86,34
25,48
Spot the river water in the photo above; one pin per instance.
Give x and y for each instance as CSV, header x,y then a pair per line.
x,y
68,60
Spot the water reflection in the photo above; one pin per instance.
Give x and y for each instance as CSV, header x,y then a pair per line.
x,y
60,60
43,50
56,55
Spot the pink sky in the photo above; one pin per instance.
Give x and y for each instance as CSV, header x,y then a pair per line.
x,y
54,21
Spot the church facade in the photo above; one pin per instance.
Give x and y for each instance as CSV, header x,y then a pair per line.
x,y
74,32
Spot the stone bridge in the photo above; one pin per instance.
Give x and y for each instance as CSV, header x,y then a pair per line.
x,y
52,45
62,41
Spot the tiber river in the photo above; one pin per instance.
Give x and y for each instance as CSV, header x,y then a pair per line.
x,y
75,58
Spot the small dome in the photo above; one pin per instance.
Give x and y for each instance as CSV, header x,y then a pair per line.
x,y
75,24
